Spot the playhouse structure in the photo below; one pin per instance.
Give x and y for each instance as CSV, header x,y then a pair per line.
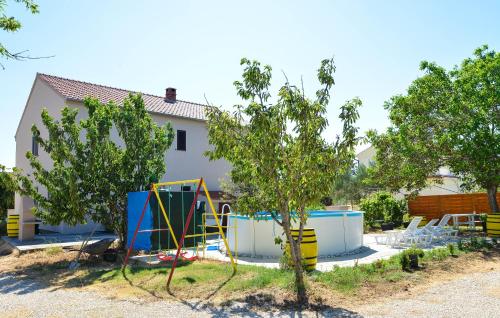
x,y
173,219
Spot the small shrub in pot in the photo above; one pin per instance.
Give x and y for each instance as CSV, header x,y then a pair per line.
x,y
409,259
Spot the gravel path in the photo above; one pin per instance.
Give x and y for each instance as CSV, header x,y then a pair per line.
x,y
477,295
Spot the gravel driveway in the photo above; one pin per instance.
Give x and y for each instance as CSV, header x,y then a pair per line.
x,y
476,295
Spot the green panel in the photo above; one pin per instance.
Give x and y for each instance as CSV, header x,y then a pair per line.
x,y
177,205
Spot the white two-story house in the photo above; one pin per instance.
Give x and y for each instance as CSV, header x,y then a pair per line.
x,y
184,159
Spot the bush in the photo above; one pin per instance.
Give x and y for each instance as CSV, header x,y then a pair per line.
x,y
405,259
452,249
474,244
383,206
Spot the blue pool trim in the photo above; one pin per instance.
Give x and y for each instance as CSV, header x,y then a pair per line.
x,y
312,214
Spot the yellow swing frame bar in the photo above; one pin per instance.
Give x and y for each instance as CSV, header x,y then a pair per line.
x,y
210,203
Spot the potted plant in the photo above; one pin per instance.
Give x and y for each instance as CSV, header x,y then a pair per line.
x,y
387,226
409,259
413,261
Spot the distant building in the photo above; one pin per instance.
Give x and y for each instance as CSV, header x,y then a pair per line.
x,y
185,159
450,183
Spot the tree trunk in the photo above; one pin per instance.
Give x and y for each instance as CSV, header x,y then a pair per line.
x,y
492,198
119,222
297,260
122,234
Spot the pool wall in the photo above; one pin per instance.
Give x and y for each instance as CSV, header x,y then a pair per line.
x,y
337,232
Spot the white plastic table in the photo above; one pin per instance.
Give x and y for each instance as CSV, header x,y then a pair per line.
x,y
470,220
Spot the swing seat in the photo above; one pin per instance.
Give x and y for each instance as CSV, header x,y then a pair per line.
x,y
189,259
164,257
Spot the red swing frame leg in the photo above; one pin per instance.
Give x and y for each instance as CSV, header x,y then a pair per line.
x,y
186,227
137,229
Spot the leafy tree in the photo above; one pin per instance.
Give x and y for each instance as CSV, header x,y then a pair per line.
x,y
281,163
8,187
11,24
352,186
90,176
446,118
130,164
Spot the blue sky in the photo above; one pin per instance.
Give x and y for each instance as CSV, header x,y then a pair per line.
x,y
196,46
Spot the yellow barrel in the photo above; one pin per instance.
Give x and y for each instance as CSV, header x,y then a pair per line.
x,y
13,225
309,247
493,225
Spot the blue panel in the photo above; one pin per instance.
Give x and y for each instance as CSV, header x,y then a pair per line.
x,y
135,205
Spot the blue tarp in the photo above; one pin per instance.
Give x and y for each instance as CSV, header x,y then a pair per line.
x,y
135,205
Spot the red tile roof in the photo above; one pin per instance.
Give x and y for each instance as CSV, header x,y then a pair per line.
x,y
78,90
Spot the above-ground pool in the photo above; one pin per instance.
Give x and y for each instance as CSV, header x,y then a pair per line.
x,y
337,232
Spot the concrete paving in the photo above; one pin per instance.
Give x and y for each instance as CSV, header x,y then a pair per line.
x,y
369,253
54,240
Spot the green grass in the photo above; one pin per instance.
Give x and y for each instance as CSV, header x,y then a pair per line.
x,y
201,278
349,279
51,251
196,278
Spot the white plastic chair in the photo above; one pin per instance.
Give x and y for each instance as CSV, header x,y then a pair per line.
x,y
391,237
442,230
408,235
425,233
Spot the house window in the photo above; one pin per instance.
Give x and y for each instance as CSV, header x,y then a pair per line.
x,y
34,145
181,140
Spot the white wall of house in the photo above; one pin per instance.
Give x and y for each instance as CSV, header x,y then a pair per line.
x,y
41,96
181,165
366,156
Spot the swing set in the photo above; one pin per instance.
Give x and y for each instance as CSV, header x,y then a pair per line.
x,y
180,244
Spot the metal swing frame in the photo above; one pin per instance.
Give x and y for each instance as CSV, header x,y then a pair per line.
x,y
180,243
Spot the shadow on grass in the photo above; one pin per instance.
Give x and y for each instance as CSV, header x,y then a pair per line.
x,y
255,304
42,275
55,275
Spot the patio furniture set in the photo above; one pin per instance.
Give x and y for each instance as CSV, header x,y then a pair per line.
x,y
423,236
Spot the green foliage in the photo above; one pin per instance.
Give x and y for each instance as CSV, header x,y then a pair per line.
x,y
406,217
55,250
452,248
8,187
281,162
352,186
90,177
446,118
438,254
406,255
285,260
483,217
11,24
383,206
349,279
315,207
474,244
